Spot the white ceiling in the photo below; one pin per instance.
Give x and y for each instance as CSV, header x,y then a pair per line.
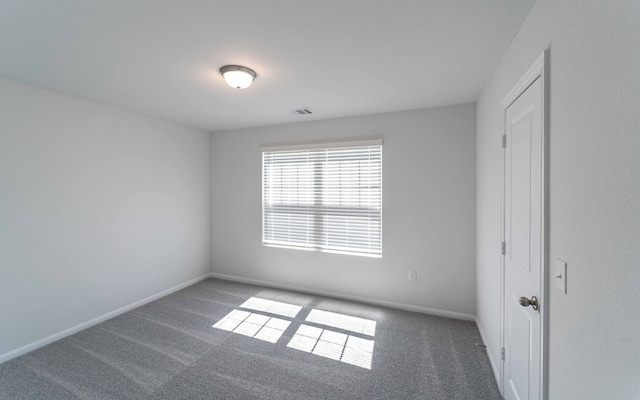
x,y
339,57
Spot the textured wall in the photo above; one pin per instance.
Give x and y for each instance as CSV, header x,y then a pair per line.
x,y
594,190
428,210
99,208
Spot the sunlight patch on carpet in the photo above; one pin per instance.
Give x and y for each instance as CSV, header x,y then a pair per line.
x,y
272,307
258,326
338,346
336,336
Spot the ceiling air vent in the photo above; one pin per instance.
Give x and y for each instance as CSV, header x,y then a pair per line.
x,y
301,111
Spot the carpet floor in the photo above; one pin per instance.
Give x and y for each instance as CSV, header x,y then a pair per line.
x,y
225,340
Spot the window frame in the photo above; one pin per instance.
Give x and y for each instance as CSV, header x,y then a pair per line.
x,y
319,208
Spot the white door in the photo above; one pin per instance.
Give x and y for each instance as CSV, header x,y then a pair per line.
x,y
524,241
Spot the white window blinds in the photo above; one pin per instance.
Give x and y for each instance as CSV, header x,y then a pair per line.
x,y
324,197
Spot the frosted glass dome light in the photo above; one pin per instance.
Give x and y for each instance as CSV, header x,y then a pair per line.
x,y
238,77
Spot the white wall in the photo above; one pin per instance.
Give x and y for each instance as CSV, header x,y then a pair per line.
x,y
428,211
594,330
99,208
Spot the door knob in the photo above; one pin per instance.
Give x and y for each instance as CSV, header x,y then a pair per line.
x,y
524,302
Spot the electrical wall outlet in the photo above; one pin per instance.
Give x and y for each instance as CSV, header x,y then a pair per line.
x,y
413,275
560,275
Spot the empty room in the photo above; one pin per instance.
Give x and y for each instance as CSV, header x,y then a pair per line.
x,y
296,199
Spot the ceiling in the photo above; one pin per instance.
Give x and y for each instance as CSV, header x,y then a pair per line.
x,y
338,57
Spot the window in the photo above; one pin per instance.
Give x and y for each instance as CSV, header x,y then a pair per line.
x,y
325,197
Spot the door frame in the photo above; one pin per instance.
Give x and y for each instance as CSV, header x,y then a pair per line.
x,y
539,68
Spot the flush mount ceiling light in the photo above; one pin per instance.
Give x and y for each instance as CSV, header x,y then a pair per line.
x,y
237,76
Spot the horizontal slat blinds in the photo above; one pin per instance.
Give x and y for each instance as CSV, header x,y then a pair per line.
x,y
323,198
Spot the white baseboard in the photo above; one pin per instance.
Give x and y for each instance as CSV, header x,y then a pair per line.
x,y
494,366
70,331
400,306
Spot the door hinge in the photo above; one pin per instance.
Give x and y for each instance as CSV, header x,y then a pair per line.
x,y
503,354
504,141
504,248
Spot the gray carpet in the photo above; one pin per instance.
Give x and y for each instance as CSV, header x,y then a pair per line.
x,y
169,349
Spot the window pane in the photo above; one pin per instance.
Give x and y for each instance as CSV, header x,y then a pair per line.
x,y
324,198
